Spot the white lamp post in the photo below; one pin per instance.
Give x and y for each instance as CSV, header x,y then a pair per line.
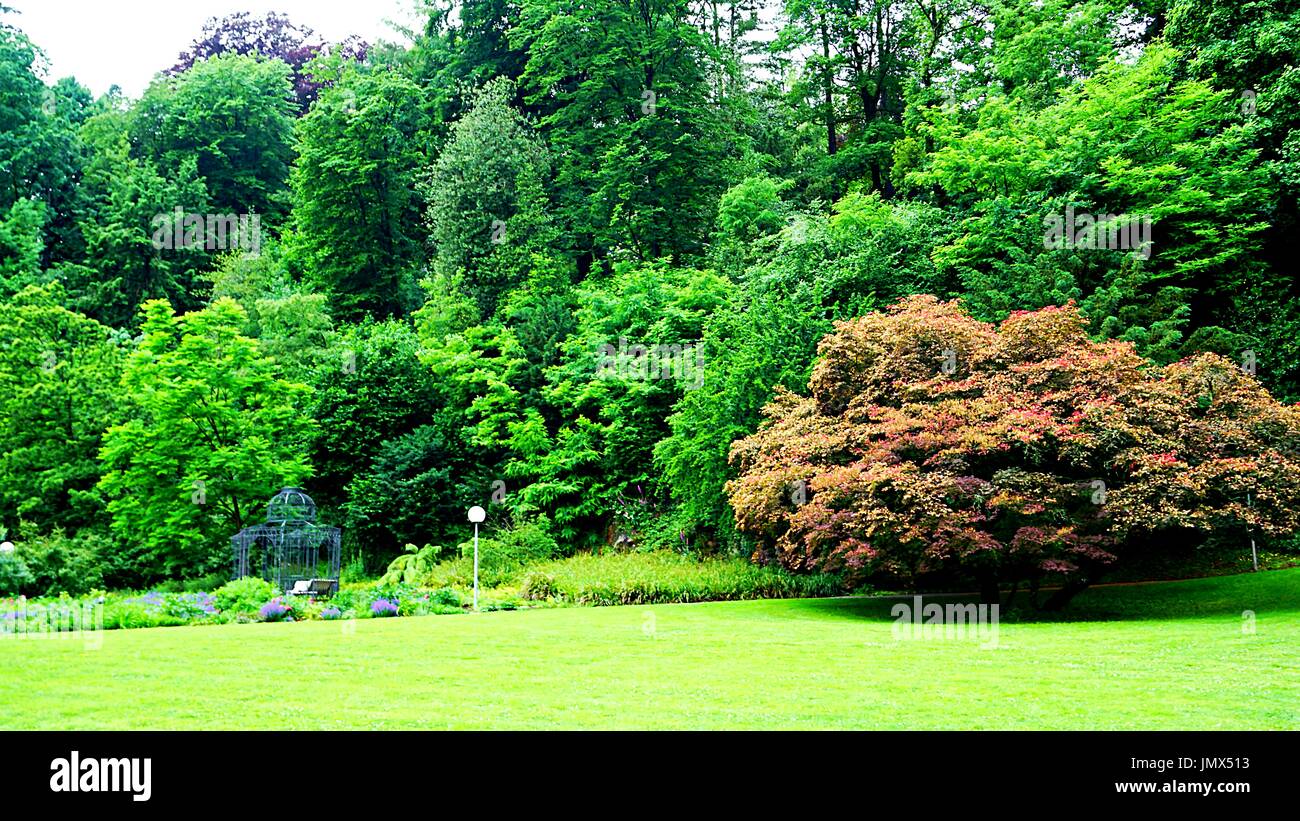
x,y
6,547
476,515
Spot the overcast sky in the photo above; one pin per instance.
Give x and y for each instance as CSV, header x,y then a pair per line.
x,y
125,42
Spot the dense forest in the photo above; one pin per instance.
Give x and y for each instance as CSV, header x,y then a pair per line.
x,y
555,258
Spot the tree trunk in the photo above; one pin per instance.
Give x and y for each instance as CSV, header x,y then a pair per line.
x,y
989,589
1059,599
828,88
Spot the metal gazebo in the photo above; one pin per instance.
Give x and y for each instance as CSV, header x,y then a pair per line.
x,y
294,552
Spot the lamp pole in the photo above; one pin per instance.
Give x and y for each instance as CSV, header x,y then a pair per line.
x,y
476,515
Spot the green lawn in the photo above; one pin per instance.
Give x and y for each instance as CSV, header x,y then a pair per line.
x,y
1167,656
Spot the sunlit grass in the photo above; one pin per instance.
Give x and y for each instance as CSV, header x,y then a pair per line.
x,y
1154,656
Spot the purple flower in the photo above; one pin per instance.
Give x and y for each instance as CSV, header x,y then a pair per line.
x,y
383,607
152,602
331,613
276,610
204,602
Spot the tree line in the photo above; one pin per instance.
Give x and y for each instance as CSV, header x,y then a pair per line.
x,y
455,235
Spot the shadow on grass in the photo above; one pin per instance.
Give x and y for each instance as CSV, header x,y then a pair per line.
x,y
1275,591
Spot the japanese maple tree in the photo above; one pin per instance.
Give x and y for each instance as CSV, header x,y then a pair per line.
x,y
933,443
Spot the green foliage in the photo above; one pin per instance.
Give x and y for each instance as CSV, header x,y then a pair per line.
x,y
487,206
353,570
412,565
388,455
751,209
21,244
356,207
418,487
243,596
126,195
611,404
820,270
506,553
624,96
61,563
231,115
555,259
292,323
663,578
41,159
212,434
59,388
15,576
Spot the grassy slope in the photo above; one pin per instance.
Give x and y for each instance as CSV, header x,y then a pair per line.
x,y
1160,656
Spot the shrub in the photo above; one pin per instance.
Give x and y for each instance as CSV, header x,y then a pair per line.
x,y
65,564
157,608
190,606
331,613
202,584
354,570
411,565
501,557
537,585
935,444
15,577
452,573
381,608
243,596
446,597
655,578
130,614
151,609
276,609
417,605
394,592
348,598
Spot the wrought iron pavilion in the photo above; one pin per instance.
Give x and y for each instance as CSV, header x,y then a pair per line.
x,y
290,546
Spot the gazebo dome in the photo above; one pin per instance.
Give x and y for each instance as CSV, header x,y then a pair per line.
x,y
290,505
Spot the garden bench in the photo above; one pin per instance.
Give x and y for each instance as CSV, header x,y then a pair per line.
x,y
315,587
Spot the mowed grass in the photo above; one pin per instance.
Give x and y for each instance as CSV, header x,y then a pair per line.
x,y
1167,656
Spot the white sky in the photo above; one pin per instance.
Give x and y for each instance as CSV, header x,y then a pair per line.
x,y
125,42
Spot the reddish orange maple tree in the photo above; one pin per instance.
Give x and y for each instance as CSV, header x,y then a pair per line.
x,y
936,443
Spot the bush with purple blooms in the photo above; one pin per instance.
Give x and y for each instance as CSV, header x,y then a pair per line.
x,y
381,608
190,606
331,613
155,609
276,609
243,596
